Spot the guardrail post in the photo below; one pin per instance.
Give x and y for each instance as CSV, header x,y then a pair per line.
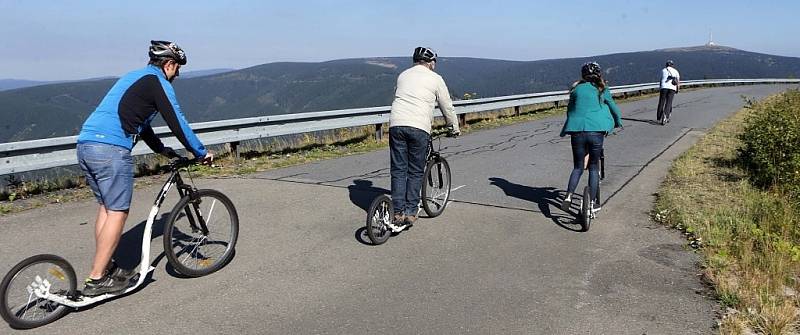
x,y
379,131
516,110
462,120
235,152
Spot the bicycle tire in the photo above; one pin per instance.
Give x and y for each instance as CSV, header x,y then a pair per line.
x,y
586,210
380,213
58,271
597,198
437,178
176,237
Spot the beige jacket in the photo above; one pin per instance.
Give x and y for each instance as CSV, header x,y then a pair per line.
x,y
418,91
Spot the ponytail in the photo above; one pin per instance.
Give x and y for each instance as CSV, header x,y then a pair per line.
x,y
597,81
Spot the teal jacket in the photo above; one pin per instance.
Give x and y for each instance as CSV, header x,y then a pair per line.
x,y
588,111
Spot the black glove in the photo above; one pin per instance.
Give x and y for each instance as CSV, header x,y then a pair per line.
x,y
169,152
451,132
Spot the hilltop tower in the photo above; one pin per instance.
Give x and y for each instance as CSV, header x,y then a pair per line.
x,y
711,39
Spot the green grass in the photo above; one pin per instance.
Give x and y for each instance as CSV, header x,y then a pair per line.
x,y
749,236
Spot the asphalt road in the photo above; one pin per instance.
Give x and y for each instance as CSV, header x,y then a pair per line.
x,y
502,259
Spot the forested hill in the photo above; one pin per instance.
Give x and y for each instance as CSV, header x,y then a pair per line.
x,y
280,88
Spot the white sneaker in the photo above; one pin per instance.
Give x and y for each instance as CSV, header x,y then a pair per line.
x,y
396,228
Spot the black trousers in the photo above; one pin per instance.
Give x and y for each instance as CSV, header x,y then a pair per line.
x,y
665,103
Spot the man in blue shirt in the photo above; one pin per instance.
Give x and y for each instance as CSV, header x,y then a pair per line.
x,y
104,151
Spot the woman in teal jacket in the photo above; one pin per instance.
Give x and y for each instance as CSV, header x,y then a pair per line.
x,y
591,114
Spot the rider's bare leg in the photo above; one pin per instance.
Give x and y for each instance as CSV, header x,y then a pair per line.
x,y
100,221
107,237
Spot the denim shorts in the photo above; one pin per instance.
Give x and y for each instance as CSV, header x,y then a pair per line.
x,y
109,173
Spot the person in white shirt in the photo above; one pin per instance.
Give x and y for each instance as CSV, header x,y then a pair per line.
x,y
419,90
669,85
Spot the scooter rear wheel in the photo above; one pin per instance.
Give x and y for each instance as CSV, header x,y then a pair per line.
x,y
586,210
379,216
20,306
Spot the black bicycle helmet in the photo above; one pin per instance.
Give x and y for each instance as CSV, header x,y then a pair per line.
x,y
167,49
424,54
590,68
670,62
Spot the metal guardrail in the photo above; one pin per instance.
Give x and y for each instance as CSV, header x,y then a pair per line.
x,y
60,151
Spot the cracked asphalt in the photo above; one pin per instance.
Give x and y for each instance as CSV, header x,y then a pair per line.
x,y
502,259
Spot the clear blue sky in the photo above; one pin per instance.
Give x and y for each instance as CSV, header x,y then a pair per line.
x,y
53,40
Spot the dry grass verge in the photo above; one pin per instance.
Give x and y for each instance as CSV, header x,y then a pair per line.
x,y
749,237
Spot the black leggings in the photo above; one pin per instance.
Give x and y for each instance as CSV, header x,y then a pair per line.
x,y
590,142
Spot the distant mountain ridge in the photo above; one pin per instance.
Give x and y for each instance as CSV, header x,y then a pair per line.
x,y
293,87
10,84
201,73
706,47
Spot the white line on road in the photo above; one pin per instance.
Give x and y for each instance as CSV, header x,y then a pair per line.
x,y
453,190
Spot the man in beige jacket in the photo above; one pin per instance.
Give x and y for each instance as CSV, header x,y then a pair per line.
x,y
418,91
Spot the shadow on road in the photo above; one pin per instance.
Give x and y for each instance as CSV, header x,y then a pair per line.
x,y
361,236
544,197
651,122
129,254
362,193
149,279
129,251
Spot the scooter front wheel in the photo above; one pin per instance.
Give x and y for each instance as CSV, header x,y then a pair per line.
x,y
201,232
20,306
436,184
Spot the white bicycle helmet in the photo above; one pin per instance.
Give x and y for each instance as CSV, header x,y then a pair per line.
x,y
424,54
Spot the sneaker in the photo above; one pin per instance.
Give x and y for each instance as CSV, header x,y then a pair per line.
x,y
117,272
410,219
107,284
398,219
566,203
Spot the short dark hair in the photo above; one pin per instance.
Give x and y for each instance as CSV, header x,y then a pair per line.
x,y
159,62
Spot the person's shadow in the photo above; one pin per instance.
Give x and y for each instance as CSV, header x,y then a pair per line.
x,y
129,250
544,197
128,254
362,193
651,122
